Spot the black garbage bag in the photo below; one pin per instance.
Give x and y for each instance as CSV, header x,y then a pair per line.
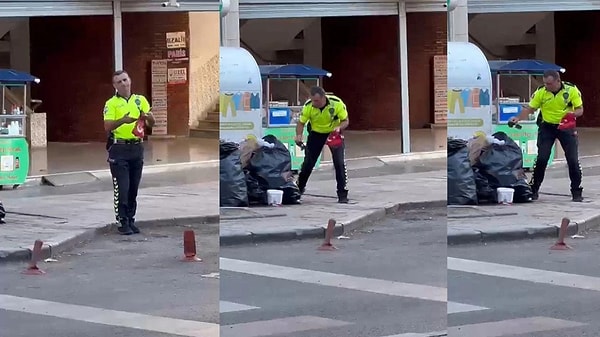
x,y
485,193
272,168
256,195
502,166
461,179
232,181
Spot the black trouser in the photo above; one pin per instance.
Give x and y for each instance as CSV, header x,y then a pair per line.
x,y
547,135
126,164
314,146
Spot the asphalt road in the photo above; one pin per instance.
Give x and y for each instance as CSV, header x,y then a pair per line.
x,y
382,281
100,289
528,290
180,177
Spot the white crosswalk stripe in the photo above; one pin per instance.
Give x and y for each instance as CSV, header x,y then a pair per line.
x,y
511,327
384,287
280,326
225,306
172,326
304,323
525,274
524,325
454,308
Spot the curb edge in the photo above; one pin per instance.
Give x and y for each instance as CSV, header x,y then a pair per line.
x,y
240,238
53,248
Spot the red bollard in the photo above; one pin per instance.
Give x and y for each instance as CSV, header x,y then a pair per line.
x,y
328,234
560,243
189,247
36,256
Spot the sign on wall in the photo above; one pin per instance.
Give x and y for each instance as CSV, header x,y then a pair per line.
x,y
176,46
440,89
176,40
159,75
177,75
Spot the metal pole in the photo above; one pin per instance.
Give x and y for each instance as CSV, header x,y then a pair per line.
x,y
403,45
450,27
118,34
24,120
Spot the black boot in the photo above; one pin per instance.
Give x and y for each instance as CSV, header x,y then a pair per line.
x,y
342,197
133,227
123,227
577,195
535,193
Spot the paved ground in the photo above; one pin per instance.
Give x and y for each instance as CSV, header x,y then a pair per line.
x,y
538,219
372,190
115,286
525,289
57,214
383,280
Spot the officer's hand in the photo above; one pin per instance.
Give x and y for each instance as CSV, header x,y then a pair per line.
x,y
514,120
298,138
126,119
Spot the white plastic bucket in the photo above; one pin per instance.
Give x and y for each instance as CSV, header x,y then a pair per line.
x,y
274,197
505,195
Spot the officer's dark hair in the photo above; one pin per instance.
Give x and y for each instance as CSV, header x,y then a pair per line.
x,y
551,73
317,91
119,72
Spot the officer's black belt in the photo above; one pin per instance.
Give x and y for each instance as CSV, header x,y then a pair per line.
x,y
128,141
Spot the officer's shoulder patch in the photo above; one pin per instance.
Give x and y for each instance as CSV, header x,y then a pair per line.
x,y
308,102
106,108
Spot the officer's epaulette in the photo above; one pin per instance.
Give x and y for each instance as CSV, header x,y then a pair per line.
x,y
569,83
308,102
333,98
540,87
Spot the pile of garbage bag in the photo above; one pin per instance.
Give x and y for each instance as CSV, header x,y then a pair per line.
x,y
478,167
251,168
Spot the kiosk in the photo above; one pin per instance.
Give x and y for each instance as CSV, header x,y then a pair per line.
x,y
283,85
14,149
240,96
505,107
469,89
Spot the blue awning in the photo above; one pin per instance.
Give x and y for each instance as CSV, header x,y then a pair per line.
x,y
292,70
527,66
9,76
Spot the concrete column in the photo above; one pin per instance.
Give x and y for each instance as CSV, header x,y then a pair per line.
x,y
118,34
313,44
458,23
545,46
403,48
19,46
230,25
20,52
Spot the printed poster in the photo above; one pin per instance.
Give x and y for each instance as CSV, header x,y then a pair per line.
x,y
176,40
177,75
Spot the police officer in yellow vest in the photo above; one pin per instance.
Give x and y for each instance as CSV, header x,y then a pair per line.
x,y
324,114
125,150
555,99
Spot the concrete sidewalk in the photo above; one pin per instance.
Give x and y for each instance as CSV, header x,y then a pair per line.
x,y
371,199
541,218
62,221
